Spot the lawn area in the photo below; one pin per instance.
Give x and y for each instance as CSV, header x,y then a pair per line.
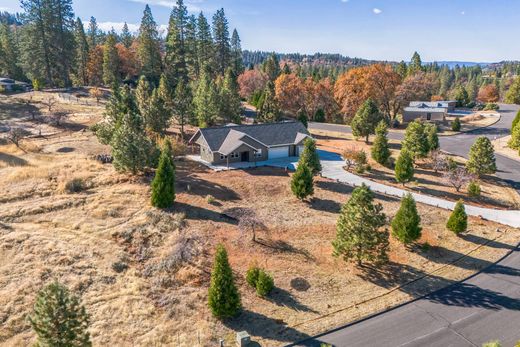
x,y
495,192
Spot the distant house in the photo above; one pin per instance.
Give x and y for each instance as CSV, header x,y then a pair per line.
x,y
10,85
428,110
250,143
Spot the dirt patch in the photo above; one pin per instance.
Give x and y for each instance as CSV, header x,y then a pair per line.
x,y
501,147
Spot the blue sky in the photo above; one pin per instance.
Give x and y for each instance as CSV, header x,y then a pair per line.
x,y
466,30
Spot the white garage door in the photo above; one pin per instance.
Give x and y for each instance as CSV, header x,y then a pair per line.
x,y
278,152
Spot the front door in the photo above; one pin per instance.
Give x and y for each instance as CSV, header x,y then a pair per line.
x,y
244,156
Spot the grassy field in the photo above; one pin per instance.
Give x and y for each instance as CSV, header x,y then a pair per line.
x,y
143,273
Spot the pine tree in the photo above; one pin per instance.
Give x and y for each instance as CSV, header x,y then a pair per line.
x,y
269,110
110,61
406,225
310,157
481,159
302,118
205,48
461,96
163,184
190,47
9,54
237,61
231,105
271,67
182,105
302,184
143,93
416,140
223,296
380,151
126,37
131,149
93,33
175,68
205,102
366,119
81,54
458,221
156,117
513,94
415,65
404,167
432,137
148,50
59,319
359,235
514,142
222,43
455,125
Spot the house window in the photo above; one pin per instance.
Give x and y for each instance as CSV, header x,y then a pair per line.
x,y
222,157
258,153
234,155
428,116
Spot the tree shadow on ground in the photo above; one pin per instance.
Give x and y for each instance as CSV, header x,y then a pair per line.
x,y
284,247
325,205
267,171
257,324
336,187
14,110
479,240
12,160
200,213
188,182
281,297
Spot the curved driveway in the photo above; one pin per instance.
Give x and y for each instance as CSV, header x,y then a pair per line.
x,y
508,169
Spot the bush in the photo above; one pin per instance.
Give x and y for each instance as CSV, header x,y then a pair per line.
x,y
319,116
264,283
458,221
455,125
491,107
406,225
75,185
223,295
361,162
252,275
119,266
474,189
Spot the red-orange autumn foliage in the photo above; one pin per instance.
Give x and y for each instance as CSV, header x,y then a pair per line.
x,y
488,93
95,66
128,63
251,81
290,93
377,81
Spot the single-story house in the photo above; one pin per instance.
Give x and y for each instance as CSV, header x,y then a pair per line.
x,y
428,110
9,85
250,143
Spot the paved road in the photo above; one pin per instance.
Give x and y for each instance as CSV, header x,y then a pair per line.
x,y
509,169
485,307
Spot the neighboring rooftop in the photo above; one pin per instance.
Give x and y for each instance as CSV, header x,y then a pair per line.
x,y
425,108
269,134
434,104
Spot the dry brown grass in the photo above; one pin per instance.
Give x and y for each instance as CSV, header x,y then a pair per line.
x,y
143,274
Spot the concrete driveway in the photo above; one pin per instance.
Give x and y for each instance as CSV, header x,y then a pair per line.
x,y
285,163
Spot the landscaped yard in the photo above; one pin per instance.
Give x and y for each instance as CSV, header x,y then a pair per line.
x,y
143,274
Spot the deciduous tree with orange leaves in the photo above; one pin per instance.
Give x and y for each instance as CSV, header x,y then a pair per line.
x,y
418,87
290,93
488,93
250,82
95,66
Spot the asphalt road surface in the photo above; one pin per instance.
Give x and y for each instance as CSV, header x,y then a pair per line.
x,y
483,308
508,169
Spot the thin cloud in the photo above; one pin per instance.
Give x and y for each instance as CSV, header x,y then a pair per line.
x,y
377,11
118,26
193,5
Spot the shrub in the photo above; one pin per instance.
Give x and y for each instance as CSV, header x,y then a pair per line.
x,y
380,151
361,162
163,184
75,185
492,344
406,225
404,168
458,221
482,157
491,107
319,116
119,266
310,157
302,184
223,296
264,283
210,199
474,189
252,275
516,120
455,125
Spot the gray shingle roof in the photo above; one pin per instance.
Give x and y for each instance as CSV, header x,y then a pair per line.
x,y
425,109
270,134
430,103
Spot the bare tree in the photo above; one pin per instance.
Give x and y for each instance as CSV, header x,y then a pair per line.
x,y
350,155
59,116
438,161
458,177
50,102
96,93
15,135
248,221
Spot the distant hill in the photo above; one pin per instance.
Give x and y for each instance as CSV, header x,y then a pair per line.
x,y
452,64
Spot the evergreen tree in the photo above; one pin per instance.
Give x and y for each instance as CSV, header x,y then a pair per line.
x,y
269,110
175,68
110,61
380,151
163,184
59,319
223,296
402,69
455,125
148,50
271,67
462,97
190,47
205,101
310,157
359,235
514,142
416,140
415,65
126,37
302,118
143,93
9,54
205,48
481,159
406,225
404,167
513,94
81,54
432,137
93,33
231,106
182,105
131,149
366,119
458,221
156,117
222,43
302,184
516,120
48,40
237,61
